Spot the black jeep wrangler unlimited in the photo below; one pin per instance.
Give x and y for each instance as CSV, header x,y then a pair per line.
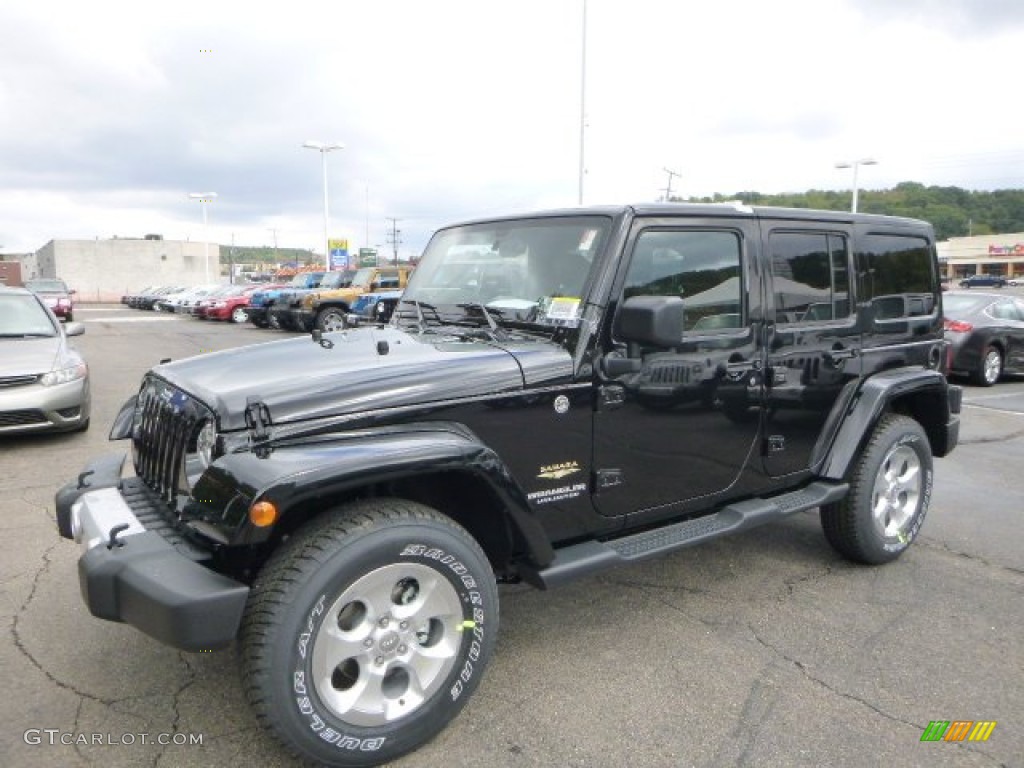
x,y
555,394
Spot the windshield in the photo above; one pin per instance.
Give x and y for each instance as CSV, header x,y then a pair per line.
x,y
305,279
47,286
23,315
336,280
363,278
532,270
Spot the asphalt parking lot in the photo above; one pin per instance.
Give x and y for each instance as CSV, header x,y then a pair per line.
x,y
764,649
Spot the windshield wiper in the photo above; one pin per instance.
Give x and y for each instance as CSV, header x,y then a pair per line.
x,y
26,335
421,321
488,316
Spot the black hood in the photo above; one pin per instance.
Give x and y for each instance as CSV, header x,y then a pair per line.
x,y
365,369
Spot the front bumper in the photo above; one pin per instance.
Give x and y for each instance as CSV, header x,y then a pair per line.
x,y
303,318
35,408
257,315
280,315
138,569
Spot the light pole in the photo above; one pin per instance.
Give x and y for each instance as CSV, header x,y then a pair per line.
x,y
856,164
204,198
323,148
583,105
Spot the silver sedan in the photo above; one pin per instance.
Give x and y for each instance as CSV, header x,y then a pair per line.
x,y
44,383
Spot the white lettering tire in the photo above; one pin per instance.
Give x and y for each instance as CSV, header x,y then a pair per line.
x,y
367,631
890,488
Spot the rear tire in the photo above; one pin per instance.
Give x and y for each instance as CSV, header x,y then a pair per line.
x,y
890,487
990,368
367,632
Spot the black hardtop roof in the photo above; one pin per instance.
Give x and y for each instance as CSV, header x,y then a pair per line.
x,y
710,210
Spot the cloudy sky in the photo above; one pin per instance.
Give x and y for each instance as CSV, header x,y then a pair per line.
x,y
111,113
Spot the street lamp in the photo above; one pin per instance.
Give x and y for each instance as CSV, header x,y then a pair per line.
x,y
323,148
204,198
856,164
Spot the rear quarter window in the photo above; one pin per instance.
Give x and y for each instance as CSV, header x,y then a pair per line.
x,y
897,274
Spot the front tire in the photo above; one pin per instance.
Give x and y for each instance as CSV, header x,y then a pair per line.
x,y
890,488
239,315
331,319
366,633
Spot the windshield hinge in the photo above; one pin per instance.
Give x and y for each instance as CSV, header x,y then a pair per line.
x,y
257,419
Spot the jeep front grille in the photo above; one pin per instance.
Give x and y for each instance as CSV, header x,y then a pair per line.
x,y
166,422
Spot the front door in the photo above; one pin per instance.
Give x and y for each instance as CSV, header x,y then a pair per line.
x,y
677,424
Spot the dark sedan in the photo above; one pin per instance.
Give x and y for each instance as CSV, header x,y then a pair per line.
x,y
987,335
983,281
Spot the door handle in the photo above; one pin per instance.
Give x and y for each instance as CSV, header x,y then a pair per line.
x,y
742,366
839,355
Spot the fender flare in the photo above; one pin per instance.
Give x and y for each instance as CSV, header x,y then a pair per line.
x,y
867,406
296,473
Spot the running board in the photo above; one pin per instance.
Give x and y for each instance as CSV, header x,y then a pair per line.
x,y
590,556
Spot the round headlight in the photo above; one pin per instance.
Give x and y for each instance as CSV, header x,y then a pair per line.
x,y
205,442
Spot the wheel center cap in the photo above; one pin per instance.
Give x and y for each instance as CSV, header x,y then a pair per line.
x,y
389,642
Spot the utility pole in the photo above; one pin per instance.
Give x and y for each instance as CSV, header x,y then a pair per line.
x,y
394,237
668,186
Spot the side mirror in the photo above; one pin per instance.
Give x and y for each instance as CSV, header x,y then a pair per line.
x,y
74,329
651,320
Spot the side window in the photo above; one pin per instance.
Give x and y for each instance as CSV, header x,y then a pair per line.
x,y
700,266
810,275
895,274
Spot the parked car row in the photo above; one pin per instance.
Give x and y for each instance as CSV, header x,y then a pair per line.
x,y
328,301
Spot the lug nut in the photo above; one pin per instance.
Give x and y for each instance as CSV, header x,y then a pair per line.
x,y
368,642
404,625
383,622
379,660
402,649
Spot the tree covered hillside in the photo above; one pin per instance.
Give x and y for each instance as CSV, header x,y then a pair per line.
x,y
954,212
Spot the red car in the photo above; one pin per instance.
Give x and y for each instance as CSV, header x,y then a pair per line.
x,y
55,295
228,305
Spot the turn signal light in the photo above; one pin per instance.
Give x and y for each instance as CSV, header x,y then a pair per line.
x,y
262,514
958,326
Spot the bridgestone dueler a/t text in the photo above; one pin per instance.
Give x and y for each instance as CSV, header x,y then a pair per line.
x,y
367,632
890,488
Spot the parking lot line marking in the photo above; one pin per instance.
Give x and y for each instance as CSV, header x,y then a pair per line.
x,y
991,397
128,319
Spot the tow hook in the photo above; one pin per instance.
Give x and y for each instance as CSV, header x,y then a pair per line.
x,y
113,542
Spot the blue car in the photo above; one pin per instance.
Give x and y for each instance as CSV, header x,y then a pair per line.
x,y
376,307
261,301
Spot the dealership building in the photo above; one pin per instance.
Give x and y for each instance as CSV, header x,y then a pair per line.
x,y
104,270
983,255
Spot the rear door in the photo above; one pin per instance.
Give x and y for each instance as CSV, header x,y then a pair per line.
x,y
813,336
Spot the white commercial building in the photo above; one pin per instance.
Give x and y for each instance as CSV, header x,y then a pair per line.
x,y
104,270
983,255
